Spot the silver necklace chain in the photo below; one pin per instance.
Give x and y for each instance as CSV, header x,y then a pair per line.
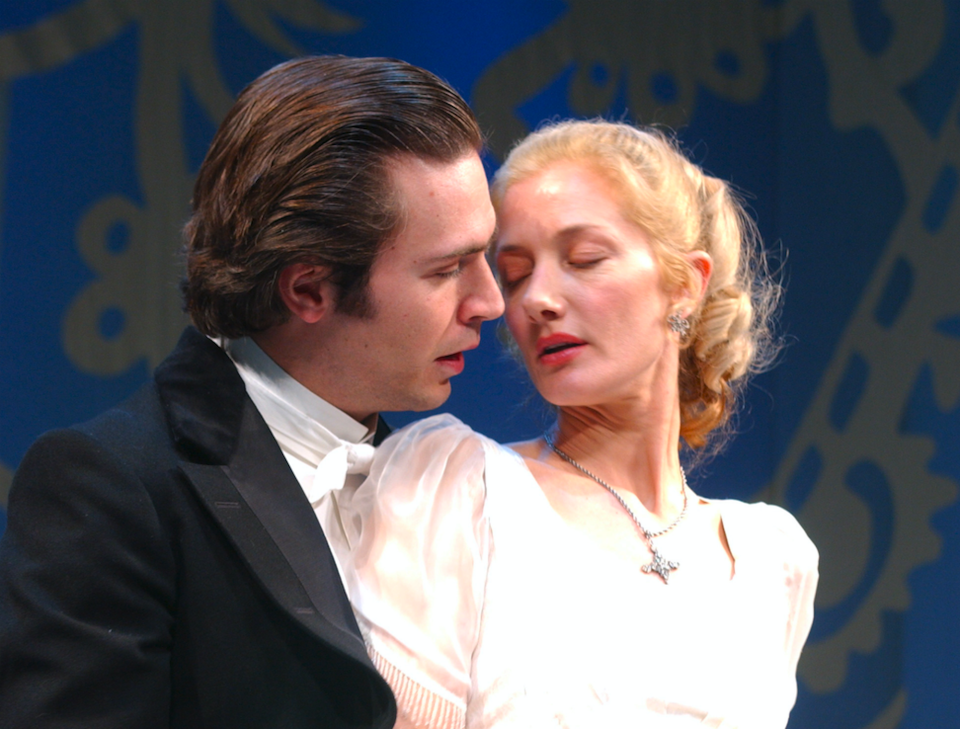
x,y
659,564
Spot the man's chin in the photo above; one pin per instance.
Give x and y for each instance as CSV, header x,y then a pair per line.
x,y
437,396
422,400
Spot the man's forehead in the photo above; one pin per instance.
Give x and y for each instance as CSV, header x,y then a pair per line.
x,y
406,162
448,197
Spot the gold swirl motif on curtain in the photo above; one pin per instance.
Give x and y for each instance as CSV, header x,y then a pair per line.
x,y
176,50
864,91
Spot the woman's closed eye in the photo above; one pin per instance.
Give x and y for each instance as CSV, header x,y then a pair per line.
x,y
586,262
587,253
511,271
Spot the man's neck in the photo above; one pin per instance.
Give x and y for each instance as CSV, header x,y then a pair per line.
x,y
293,349
259,369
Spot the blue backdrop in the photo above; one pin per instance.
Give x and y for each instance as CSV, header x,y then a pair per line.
x,y
840,121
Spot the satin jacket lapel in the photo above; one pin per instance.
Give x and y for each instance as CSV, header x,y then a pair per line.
x,y
240,474
382,431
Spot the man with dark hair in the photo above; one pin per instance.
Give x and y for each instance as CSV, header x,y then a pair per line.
x,y
166,564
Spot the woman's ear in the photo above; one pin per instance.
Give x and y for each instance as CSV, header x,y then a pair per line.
x,y
701,266
307,291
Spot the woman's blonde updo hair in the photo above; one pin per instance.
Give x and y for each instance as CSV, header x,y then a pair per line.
x,y
681,209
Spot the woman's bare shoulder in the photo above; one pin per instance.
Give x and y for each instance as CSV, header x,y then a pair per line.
x,y
529,449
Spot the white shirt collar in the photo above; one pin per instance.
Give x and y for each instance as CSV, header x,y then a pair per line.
x,y
307,427
256,367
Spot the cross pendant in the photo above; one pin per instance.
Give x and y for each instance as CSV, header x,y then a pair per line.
x,y
661,566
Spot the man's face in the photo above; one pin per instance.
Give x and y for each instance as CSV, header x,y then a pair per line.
x,y
430,289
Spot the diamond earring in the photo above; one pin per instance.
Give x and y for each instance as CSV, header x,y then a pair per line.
x,y
679,324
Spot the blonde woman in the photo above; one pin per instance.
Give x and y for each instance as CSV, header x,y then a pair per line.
x,y
576,580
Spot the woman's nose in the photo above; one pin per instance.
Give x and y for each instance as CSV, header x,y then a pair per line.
x,y
542,298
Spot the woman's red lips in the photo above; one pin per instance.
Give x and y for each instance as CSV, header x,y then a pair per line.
x,y
558,348
554,342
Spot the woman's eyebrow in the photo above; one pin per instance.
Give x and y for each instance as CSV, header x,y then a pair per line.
x,y
563,235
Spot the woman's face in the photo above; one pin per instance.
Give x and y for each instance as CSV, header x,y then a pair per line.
x,y
583,292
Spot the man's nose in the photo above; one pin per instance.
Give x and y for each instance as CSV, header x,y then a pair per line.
x,y
485,301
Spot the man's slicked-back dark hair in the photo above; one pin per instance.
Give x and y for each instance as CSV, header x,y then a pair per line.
x,y
298,172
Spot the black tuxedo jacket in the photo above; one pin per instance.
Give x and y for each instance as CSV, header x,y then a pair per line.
x,y
162,567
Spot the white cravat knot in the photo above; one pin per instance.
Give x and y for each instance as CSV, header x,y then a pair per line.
x,y
334,467
359,457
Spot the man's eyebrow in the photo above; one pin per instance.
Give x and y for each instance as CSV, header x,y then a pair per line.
x,y
468,250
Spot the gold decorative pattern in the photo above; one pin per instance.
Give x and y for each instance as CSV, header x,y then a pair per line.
x,y
864,91
614,45
176,50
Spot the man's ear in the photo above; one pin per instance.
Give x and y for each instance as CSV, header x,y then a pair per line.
x,y
307,291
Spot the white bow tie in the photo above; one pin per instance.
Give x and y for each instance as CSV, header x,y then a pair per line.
x,y
332,470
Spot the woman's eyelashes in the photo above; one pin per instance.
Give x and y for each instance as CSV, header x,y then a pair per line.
x,y
586,254
512,273
586,262
510,282
511,270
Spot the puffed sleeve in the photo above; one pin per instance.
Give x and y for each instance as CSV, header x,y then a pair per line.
x,y
775,538
418,562
777,573
803,574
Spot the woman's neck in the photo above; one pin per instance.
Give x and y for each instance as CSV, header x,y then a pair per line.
x,y
633,447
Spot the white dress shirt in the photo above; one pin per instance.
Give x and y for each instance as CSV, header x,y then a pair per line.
x,y
324,446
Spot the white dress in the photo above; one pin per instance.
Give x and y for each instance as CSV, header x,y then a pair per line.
x,y
481,606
